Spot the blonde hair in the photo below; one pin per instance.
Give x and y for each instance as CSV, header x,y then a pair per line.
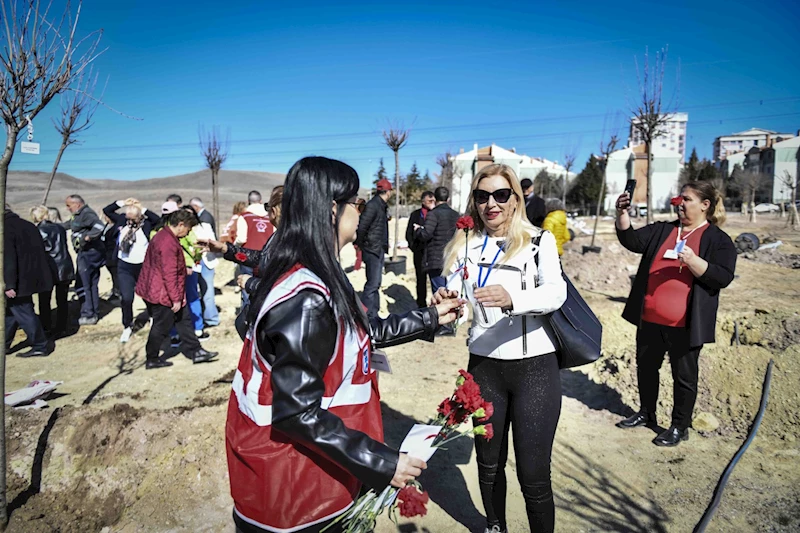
x,y
134,208
518,230
40,213
239,207
55,214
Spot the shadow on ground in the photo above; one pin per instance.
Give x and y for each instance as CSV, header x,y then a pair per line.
x,y
443,479
596,396
404,301
601,499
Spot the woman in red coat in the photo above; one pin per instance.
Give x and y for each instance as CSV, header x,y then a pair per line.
x,y
162,285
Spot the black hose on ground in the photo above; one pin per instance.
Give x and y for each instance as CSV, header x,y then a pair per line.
x,y
723,481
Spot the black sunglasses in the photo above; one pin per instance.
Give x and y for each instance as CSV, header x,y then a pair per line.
x,y
500,196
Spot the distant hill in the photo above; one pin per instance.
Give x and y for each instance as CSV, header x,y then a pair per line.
x,y
25,189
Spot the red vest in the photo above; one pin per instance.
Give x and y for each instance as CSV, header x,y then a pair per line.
x,y
279,484
259,230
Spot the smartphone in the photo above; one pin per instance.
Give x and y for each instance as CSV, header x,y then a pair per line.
x,y
630,185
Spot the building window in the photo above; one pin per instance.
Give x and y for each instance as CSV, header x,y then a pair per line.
x,y
755,143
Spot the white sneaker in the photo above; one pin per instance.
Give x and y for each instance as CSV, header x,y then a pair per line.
x,y
126,335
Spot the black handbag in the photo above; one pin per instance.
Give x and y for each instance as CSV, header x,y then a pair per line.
x,y
577,330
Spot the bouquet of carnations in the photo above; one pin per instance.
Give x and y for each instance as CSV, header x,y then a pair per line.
x,y
465,402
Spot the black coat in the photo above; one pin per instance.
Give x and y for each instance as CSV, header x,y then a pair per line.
x,y
414,244
716,248
25,261
373,227
206,217
536,210
439,228
54,237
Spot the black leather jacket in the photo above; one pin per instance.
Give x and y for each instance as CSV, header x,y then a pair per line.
x,y
55,243
297,338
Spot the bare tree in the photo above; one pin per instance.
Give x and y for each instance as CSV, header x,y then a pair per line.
x,y
606,149
650,115
40,59
215,152
395,137
749,182
569,162
77,109
445,177
791,183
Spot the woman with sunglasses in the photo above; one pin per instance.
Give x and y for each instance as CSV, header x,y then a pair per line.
x,y
304,428
513,278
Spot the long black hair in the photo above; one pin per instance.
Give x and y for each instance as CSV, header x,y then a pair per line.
x,y
307,234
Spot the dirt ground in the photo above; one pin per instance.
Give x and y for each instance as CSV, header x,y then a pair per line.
x,y
122,449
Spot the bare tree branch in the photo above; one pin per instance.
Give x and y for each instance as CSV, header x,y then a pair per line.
x,y
215,153
395,136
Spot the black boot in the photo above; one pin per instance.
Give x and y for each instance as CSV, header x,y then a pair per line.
x,y
157,363
641,418
203,356
672,437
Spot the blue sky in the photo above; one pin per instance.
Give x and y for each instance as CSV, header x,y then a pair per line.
x,y
289,79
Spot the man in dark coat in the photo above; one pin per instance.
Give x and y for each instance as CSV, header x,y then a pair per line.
x,y
208,265
87,230
439,228
373,240
417,220
535,207
26,272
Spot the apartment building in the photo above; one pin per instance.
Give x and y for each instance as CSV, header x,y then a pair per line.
x,y
672,138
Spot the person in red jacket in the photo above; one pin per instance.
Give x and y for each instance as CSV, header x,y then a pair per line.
x,y
162,285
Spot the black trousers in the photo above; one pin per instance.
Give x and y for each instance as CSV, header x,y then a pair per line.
x,y
163,320
652,342
127,275
422,280
526,394
62,308
20,314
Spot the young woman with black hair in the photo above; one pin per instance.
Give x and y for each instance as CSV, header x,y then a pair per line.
x,y
304,428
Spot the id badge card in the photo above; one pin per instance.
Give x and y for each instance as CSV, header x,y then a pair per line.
x,y
673,254
378,361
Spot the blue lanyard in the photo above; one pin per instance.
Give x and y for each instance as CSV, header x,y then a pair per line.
x,y
480,267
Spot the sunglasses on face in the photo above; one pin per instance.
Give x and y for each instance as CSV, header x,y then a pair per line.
x,y
500,196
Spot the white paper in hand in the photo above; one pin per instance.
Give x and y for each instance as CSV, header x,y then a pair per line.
x,y
378,361
418,442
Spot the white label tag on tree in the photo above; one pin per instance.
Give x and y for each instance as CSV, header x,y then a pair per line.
x,y
378,361
29,148
418,442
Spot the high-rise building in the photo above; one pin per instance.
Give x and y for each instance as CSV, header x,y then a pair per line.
x,y
672,138
744,140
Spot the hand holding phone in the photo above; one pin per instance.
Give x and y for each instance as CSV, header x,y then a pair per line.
x,y
630,186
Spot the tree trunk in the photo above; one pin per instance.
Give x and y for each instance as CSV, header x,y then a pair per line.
x,y
752,205
215,200
793,218
564,191
600,202
55,168
5,161
396,202
649,183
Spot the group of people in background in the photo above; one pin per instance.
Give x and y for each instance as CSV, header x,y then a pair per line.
x,y
305,379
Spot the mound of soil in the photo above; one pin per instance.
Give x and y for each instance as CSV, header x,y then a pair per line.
x,y
774,256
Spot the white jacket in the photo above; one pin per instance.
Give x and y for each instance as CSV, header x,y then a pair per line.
x,y
522,331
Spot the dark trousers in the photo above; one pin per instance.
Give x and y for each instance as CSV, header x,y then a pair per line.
x,y
89,263
526,394
245,270
128,275
652,342
437,280
20,314
370,296
62,308
422,281
113,269
163,320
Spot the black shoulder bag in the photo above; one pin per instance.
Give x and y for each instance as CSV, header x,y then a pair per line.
x,y
578,331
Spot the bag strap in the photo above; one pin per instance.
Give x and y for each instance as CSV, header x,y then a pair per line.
x,y
535,241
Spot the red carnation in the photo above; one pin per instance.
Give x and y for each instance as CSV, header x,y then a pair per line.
x,y
445,408
412,502
489,432
676,201
465,222
466,273
468,395
240,256
466,375
488,411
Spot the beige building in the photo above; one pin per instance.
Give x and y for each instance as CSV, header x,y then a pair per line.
x,y
743,141
673,137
